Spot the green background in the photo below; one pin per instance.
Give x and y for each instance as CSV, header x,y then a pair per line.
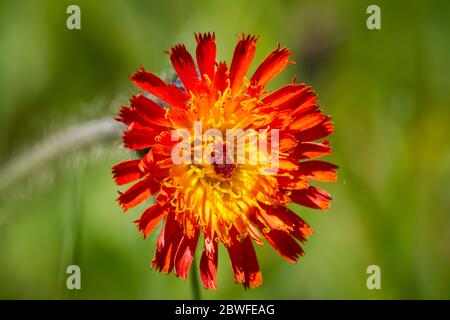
x,y
387,90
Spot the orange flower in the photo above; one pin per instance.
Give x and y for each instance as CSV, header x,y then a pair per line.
x,y
232,203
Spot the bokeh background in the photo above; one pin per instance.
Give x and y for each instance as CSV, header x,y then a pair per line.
x,y
388,91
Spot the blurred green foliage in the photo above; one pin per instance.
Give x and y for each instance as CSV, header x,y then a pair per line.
x,y
387,91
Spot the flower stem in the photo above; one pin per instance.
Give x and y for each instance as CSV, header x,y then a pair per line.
x,y
194,282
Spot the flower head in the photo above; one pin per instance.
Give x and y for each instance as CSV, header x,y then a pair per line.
x,y
214,195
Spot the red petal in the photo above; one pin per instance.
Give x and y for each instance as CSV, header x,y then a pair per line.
x,y
208,264
164,144
287,164
312,197
306,150
126,172
300,229
147,106
184,66
220,78
281,120
185,255
154,85
292,180
291,97
242,59
244,263
143,112
274,63
151,218
306,121
282,94
150,111
167,245
153,163
138,138
287,142
266,220
285,245
165,194
319,170
206,54
317,132
129,116
137,193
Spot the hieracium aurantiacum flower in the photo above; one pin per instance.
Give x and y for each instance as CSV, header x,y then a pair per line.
x,y
204,189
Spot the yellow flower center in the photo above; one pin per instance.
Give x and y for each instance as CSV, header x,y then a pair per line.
x,y
217,196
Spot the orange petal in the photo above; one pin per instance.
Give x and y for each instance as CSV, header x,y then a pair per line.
x,y
319,131
208,264
126,172
287,164
167,245
242,59
287,142
307,150
152,163
221,77
292,180
299,228
306,121
292,97
137,193
138,138
206,54
130,116
312,197
185,255
244,263
184,66
164,144
285,245
151,218
154,85
150,111
319,170
274,63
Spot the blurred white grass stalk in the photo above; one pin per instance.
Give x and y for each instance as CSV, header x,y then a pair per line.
x,y
65,141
